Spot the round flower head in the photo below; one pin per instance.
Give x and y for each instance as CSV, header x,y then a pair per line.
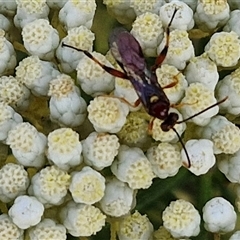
x,y
219,215
7,55
50,186
77,13
233,23
166,75
27,144
224,49
36,74
107,114
202,69
26,211
67,107
170,136
224,135
182,20
165,159
180,49
47,229
230,86
28,11
92,78
141,6
79,37
211,15
133,167
4,23
8,120
125,90
147,29
235,236
229,165
135,226
181,219
87,186
64,148
134,131
118,198
120,10
8,230
197,98
40,39
82,220
13,92
13,182
201,155
99,150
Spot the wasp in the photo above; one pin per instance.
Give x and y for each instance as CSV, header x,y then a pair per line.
x,y
128,54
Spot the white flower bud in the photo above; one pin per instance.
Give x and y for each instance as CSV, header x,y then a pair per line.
x,y
28,11
118,198
26,211
135,226
40,39
67,107
219,215
77,13
201,155
27,144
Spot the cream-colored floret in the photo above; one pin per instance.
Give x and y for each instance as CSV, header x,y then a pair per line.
x,y
165,159
13,92
61,86
82,220
181,219
87,186
135,226
134,131
142,6
224,49
99,150
47,229
13,181
50,185
133,167
180,49
33,6
107,114
92,78
197,98
148,30
8,230
166,75
40,38
64,148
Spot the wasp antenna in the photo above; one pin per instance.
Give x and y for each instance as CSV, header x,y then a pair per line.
x,y
185,150
204,110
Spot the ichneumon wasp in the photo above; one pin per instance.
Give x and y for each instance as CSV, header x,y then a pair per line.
x,y
128,54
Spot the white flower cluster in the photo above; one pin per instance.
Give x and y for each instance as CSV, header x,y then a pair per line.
x,y
78,149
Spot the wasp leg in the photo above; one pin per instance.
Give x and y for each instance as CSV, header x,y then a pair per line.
x,y
163,53
134,105
114,72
